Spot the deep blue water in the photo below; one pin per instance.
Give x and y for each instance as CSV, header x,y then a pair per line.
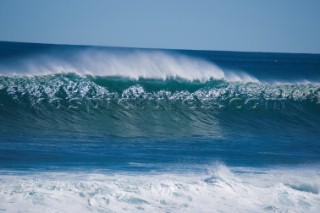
x,y
84,109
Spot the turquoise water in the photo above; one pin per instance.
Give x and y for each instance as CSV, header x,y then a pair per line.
x,y
119,129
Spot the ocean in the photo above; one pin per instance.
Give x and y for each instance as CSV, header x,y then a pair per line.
x,y
106,129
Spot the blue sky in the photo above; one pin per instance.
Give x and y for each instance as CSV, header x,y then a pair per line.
x,y
239,25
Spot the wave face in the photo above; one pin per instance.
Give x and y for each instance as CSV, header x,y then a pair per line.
x,y
162,117
140,104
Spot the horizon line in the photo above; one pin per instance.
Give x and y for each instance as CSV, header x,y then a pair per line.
x,y
155,48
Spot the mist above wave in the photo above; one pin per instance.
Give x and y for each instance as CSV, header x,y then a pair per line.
x,y
132,65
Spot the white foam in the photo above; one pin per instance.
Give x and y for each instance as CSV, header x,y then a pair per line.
x,y
222,190
133,65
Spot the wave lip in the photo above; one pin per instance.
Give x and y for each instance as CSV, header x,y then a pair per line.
x,y
70,86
